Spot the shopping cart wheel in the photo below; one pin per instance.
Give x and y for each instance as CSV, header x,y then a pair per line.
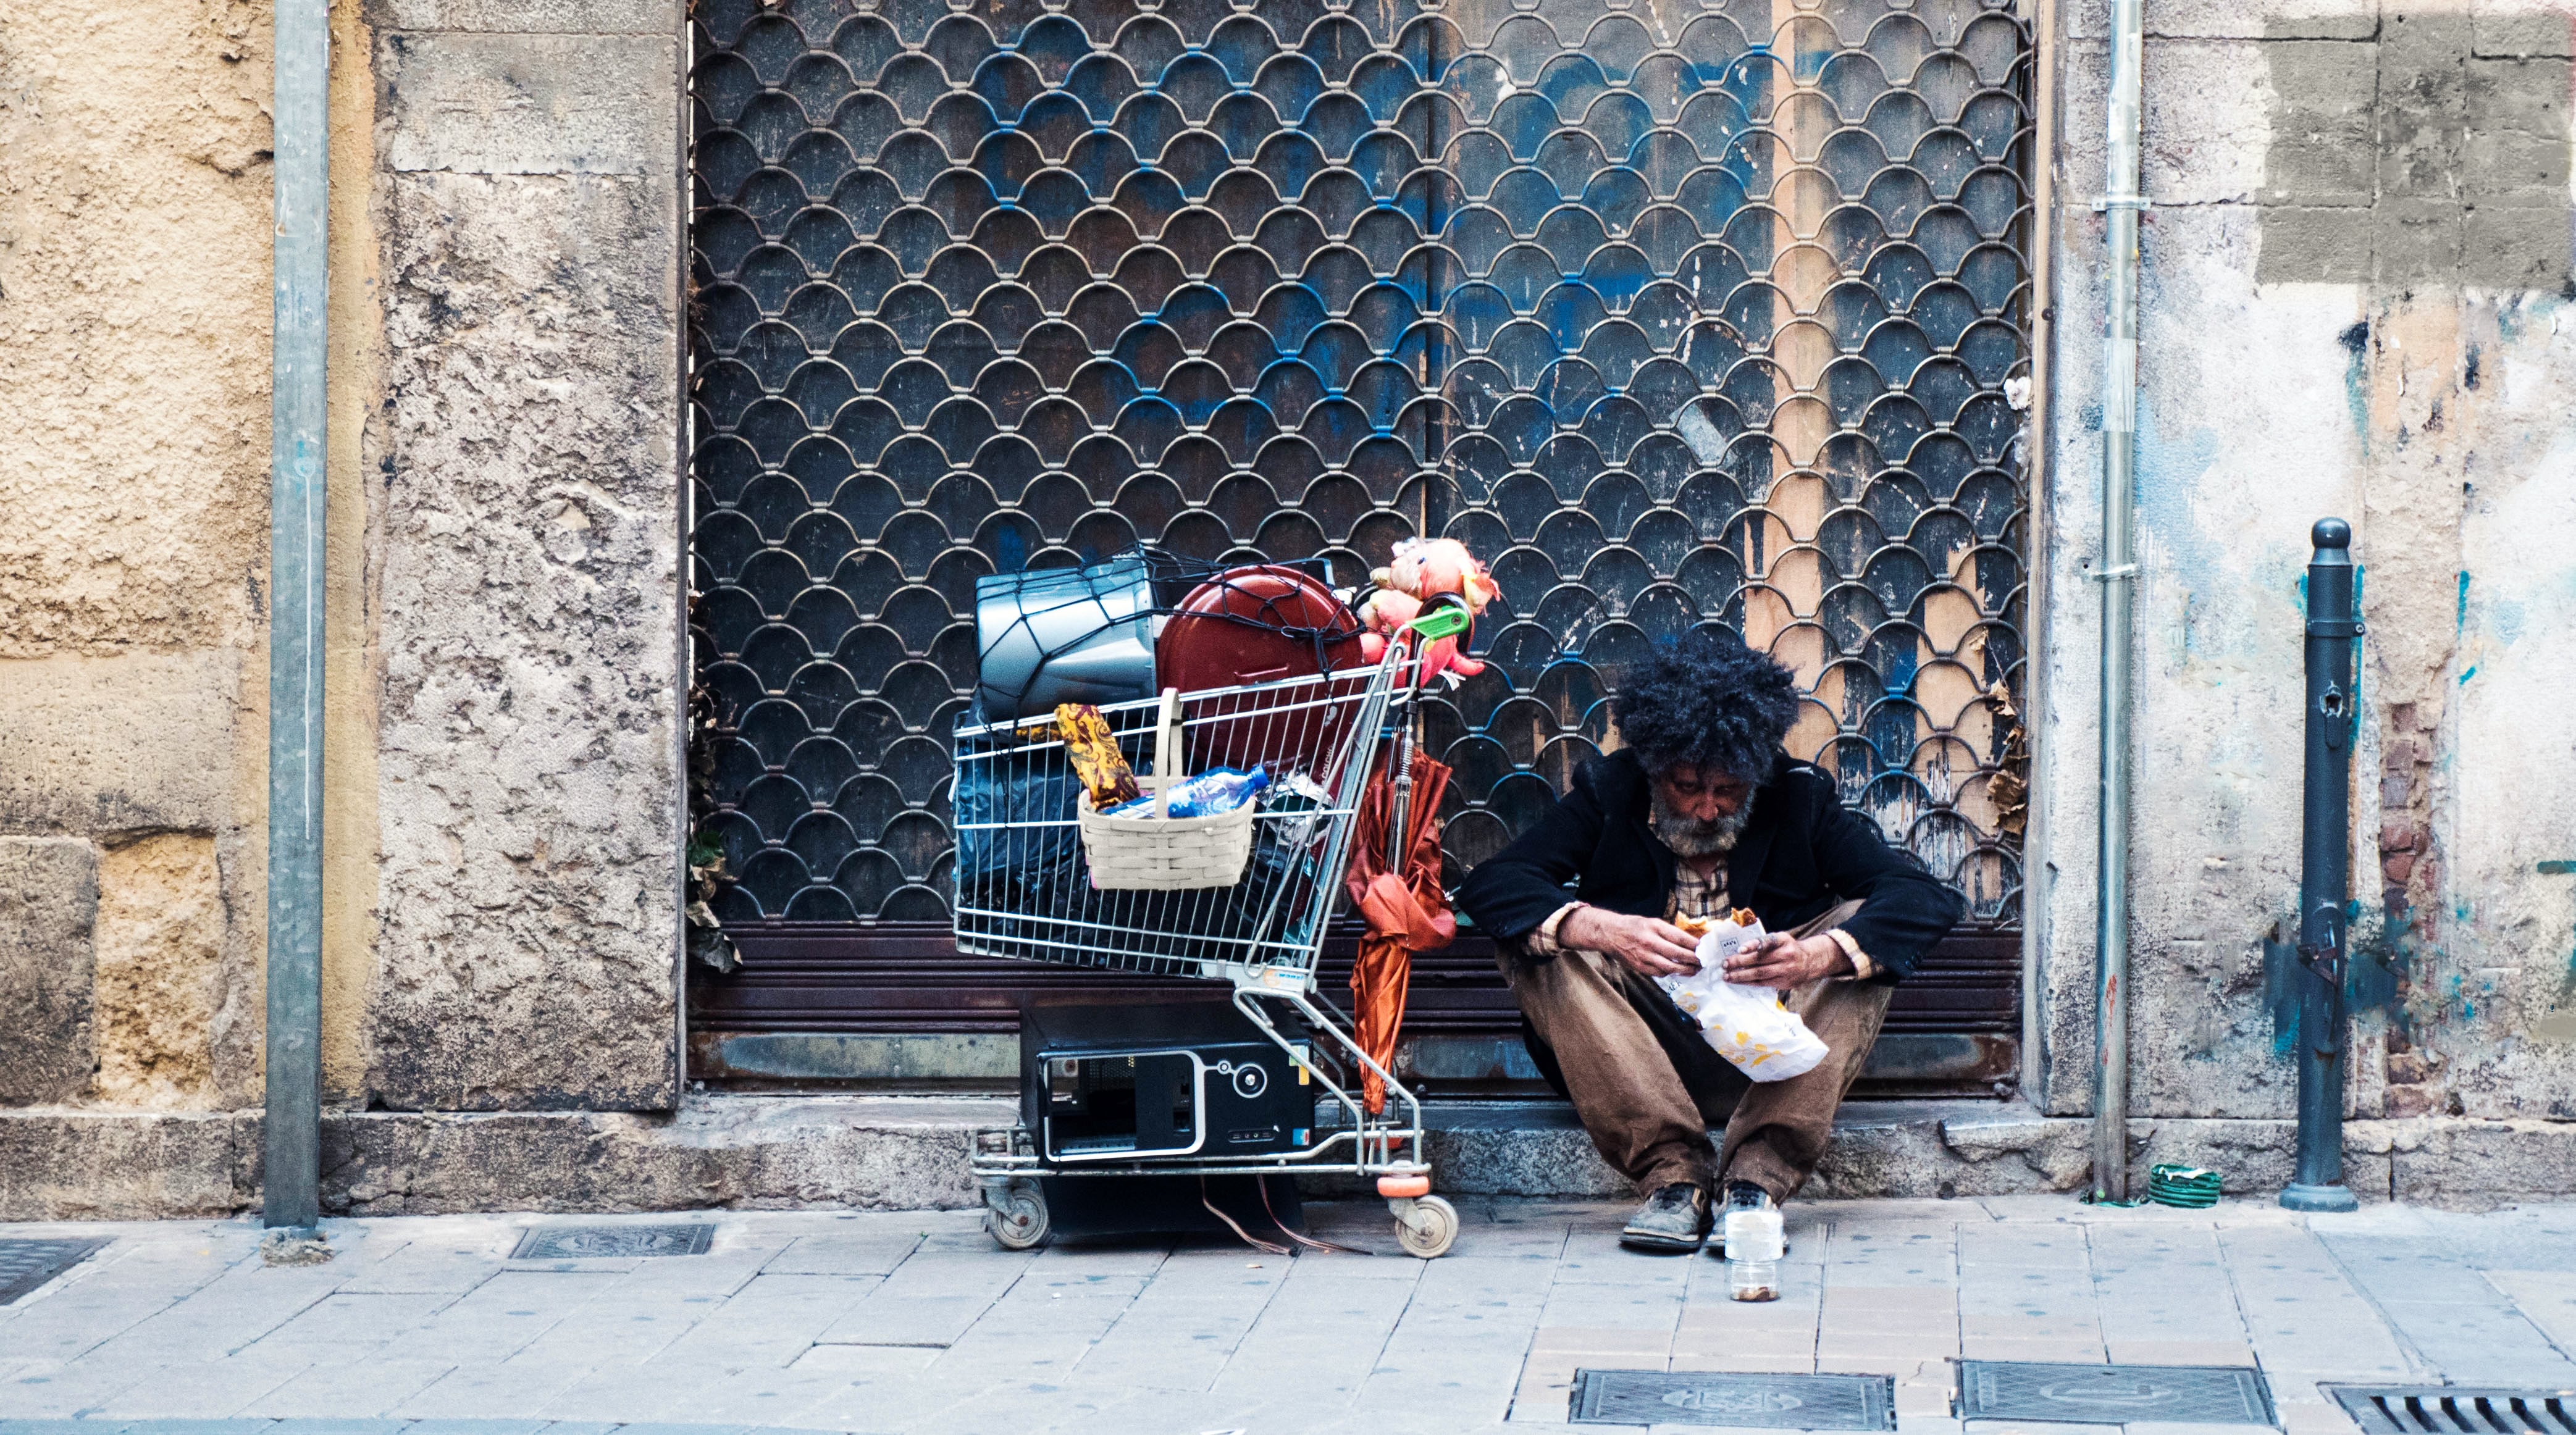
x,y
1424,1225
1016,1214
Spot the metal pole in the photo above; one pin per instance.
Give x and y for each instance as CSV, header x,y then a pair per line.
x,y
2325,871
2118,575
291,1178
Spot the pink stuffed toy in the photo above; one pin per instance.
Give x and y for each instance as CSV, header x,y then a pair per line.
x,y
1424,569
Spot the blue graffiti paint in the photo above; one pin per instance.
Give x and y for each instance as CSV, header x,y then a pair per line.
x,y
2356,379
2461,624
2471,673
2169,471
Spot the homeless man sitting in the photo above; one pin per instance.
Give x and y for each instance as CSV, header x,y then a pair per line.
x,y
1698,813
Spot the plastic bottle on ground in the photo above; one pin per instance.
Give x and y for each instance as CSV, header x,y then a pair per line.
x,y
1755,1242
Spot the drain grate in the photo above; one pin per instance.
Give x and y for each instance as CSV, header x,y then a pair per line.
x,y
25,1265
2456,1410
572,1243
2114,1394
1777,1402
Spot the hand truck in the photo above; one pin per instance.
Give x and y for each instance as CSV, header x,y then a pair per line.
x,y
1023,891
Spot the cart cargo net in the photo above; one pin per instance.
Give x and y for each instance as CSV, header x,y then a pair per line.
x,y
1678,312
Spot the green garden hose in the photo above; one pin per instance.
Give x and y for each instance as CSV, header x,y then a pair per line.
x,y
2188,1188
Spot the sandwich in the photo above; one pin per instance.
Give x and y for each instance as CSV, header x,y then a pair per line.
x,y
1702,926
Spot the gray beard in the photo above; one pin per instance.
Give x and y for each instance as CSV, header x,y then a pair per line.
x,y
1688,837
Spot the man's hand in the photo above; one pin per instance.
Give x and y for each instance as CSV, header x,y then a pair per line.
x,y
1644,945
1783,961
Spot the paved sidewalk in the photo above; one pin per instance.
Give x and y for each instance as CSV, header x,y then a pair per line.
x,y
917,1322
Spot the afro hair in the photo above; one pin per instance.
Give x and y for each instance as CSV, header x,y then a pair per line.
x,y
1708,701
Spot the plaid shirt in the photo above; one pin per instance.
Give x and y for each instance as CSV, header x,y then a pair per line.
x,y
1694,895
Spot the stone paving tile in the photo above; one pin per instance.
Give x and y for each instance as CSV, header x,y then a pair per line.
x,y
211,1314
1772,1335
637,1315
1926,1313
2167,1297
502,1316
880,1400
489,1391
1000,1408
1887,1254
2546,1298
1133,1411
770,1321
419,1268
1594,1256
348,1389
927,1327
427,1255
1181,1330
1424,1383
223,1387
2443,1307
658,1393
753,1397
346,1327
1035,1344
836,1253
2050,1246
2310,1417
932,1298
1320,1335
2532,1238
2303,1316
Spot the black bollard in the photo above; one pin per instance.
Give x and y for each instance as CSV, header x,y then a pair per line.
x,y
2325,871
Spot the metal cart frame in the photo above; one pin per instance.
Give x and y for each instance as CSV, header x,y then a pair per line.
x,y
1012,824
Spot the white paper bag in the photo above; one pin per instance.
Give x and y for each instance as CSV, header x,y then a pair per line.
x,y
1746,1025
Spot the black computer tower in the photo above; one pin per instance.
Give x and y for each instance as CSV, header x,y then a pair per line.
x,y
1187,1079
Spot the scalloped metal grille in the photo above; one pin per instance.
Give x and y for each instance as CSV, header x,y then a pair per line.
x,y
1677,312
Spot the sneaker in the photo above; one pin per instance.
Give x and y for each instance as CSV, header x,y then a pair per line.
x,y
1744,1196
1674,1219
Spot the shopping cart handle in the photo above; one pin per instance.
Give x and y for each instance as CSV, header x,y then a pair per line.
x,y
1446,621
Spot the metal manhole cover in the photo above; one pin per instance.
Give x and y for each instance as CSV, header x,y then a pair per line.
x,y
25,1265
2113,1394
572,1243
2455,1409
1778,1402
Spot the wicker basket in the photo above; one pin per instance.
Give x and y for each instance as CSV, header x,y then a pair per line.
x,y
1159,853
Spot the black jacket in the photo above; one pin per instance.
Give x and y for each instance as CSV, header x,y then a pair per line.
x,y
1801,852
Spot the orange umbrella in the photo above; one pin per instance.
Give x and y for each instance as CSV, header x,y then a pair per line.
x,y
1406,911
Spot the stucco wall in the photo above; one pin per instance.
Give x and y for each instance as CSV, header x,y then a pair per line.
x,y
2352,290
501,788
134,312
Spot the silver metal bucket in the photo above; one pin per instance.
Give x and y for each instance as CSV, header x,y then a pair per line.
x,y
1064,635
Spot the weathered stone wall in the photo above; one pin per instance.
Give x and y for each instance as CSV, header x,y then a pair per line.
x,y
2356,300
2353,290
134,303
503,614
528,199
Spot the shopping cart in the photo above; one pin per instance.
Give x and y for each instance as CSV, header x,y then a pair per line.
x,y
1025,891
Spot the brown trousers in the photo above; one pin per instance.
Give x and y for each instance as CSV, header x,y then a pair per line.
x,y
1648,1087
